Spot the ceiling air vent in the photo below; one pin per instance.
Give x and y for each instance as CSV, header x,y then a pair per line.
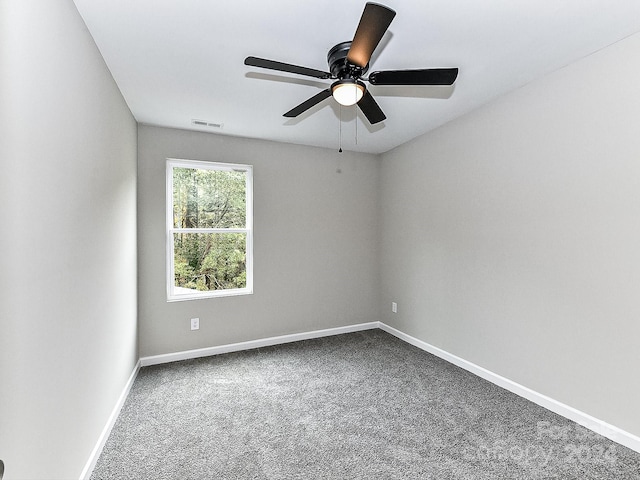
x,y
204,123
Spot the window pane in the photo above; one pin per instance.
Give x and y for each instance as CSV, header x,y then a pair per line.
x,y
208,198
210,261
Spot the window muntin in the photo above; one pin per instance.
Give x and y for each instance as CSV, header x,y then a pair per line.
x,y
209,229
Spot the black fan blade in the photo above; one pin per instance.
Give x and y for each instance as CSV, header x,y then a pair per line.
x,y
307,104
370,108
285,67
433,76
373,24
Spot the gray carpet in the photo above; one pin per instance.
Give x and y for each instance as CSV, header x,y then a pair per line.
x,y
359,406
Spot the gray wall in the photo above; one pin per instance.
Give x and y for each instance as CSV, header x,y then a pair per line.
x,y
68,242
511,236
315,248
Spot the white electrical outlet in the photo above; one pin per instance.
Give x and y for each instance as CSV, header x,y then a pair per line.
x,y
394,307
195,324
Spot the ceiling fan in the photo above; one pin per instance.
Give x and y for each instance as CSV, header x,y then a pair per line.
x,y
349,62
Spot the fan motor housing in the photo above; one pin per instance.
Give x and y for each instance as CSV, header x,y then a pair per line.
x,y
338,64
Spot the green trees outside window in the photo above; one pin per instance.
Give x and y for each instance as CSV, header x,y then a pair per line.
x,y
209,229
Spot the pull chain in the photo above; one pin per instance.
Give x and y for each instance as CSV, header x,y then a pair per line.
x,y
356,107
340,149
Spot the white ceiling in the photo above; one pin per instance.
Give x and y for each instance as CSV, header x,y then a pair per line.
x,y
178,60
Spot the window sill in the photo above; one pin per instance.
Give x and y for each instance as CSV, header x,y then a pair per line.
x,y
198,295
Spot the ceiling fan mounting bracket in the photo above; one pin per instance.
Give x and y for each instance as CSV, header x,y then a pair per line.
x,y
339,66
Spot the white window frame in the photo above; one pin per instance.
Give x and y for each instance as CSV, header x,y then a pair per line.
x,y
172,296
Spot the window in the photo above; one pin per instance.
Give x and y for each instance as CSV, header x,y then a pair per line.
x,y
209,229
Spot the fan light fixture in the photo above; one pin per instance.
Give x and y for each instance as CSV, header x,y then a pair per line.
x,y
347,91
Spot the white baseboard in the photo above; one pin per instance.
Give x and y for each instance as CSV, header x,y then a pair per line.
x,y
605,429
264,342
97,450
